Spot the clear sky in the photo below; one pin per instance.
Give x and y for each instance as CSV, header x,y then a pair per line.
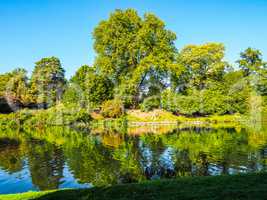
x,y
32,29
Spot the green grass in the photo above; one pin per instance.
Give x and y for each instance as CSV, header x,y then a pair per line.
x,y
23,196
251,186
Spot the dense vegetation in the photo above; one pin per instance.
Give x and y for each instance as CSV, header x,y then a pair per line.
x,y
138,66
252,186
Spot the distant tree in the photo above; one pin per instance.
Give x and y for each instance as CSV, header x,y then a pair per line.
x,y
96,87
131,50
14,85
80,77
47,81
254,69
73,94
200,64
251,61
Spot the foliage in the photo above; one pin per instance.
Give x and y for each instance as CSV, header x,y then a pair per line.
x,y
181,104
150,103
130,49
57,115
112,108
8,121
47,81
60,115
14,85
200,64
157,115
80,77
74,94
92,86
99,88
251,61
214,100
254,69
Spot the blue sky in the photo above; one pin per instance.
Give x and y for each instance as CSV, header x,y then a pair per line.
x,y
32,29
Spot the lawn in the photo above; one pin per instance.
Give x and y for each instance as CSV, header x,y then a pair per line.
x,y
251,186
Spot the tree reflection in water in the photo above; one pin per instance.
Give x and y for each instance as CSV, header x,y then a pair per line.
x,y
111,156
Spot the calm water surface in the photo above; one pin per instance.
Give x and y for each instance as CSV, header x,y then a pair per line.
x,y
60,157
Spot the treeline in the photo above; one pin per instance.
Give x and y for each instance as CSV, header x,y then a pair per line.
x,y
137,65
43,89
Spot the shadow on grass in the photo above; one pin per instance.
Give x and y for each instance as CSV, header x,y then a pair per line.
x,y
251,186
68,194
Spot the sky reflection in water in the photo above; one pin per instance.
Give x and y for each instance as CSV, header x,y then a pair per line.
x,y
64,158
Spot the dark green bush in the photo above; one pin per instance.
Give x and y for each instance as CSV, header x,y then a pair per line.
x,y
150,103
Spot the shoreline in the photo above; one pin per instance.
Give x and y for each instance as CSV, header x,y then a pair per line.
x,y
242,186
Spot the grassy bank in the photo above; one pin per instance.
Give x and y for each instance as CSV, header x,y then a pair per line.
x,y
59,115
62,115
163,116
251,186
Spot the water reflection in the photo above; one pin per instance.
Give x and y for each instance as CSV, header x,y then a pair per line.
x,y
62,157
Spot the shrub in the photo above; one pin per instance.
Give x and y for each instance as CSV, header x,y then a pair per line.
x,y
168,101
82,116
112,108
150,103
176,103
67,114
203,102
73,94
59,115
8,121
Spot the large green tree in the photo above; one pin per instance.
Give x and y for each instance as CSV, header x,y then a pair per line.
x,y
131,49
47,81
199,65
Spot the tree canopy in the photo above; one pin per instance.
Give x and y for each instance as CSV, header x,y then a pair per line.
x,y
201,64
131,49
48,81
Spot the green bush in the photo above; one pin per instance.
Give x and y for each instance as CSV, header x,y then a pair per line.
x,y
112,108
82,116
67,114
73,94
150,103
205,102
8,121
180,104
57,115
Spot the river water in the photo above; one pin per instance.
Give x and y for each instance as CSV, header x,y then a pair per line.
x,y
60,157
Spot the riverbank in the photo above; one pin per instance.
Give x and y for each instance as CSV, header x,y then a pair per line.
x,y
249,186
62,115
162,117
